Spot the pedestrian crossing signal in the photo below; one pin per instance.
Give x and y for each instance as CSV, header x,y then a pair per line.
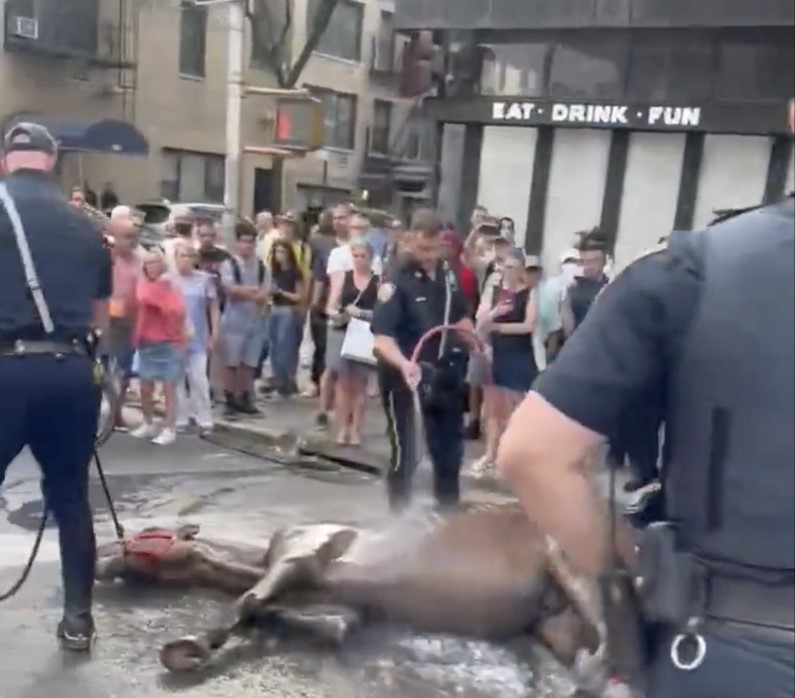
x,y
300,123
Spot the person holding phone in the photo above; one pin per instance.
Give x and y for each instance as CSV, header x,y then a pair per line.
x,y
507,314
485,251
287,289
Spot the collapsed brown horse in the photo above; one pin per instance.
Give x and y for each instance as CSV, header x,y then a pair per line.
x,y
486,573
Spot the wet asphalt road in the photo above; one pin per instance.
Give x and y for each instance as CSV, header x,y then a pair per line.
x,y
237,498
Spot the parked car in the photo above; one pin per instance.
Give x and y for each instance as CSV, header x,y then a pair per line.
x,y
157,213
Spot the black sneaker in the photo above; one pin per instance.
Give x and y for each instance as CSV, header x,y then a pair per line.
x,y
77,634
231,406
246,406
472,432
321,421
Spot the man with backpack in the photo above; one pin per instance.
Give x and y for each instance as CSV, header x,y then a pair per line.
x,y
245,282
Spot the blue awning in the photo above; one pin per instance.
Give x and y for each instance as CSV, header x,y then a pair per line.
x,y
104,136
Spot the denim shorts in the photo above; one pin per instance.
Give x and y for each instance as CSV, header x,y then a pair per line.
x,y
515,371
161,362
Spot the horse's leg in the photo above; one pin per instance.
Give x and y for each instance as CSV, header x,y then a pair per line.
x,y
286,574
330,624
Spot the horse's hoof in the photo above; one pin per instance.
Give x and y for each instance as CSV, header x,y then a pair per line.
x,y
185,654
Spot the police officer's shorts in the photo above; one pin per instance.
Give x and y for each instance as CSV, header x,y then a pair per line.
x,y
478,371
243,347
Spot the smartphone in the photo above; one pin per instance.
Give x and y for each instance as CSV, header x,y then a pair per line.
x,y
489,230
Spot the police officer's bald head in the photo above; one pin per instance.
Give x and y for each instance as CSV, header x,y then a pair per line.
x,y
29,146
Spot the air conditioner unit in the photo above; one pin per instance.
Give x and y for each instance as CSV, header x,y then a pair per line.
x,y
25,27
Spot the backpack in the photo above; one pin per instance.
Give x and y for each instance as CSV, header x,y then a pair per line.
x,y
237,272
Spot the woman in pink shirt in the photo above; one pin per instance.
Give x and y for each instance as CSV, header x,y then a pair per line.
x,y
160,338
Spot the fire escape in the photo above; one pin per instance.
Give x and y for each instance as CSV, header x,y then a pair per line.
x,y
402,172
97,39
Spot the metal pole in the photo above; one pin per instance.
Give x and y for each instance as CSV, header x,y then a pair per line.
x,y
234,97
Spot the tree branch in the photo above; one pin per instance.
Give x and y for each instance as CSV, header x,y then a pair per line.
x,y
273,47
314,35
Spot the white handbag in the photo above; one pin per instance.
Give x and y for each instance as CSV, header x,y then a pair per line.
x,y
358,343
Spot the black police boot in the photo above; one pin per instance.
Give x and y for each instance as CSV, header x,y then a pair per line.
x,y
76,631
246,405
231,406
78,563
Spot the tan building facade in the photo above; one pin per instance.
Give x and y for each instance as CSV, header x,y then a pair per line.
x,y
164,70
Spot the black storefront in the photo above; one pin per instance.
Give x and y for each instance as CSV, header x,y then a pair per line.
x,y
693,68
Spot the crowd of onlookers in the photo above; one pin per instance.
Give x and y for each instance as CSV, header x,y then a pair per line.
x,y
197,321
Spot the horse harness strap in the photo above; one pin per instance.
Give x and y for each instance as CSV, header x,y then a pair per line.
x,y
149,546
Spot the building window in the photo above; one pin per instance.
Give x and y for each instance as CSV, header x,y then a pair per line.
x,y
671,67
384,52
588,68
275,14
756,67
192,177
192,39
413,148
340,117
382,127
343,35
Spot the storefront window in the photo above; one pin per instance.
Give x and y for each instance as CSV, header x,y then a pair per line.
x,y
588,68
671,67
514,69
756,68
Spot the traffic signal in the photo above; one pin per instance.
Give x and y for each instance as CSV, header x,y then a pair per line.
x,y
300,123
423,65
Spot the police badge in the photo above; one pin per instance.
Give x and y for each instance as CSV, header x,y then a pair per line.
x,y
385,292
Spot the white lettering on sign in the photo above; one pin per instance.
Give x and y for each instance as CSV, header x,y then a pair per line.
x,y
513,111
598,114
674,116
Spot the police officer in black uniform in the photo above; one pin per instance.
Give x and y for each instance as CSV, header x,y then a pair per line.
x,y
423,293
712,314
55,279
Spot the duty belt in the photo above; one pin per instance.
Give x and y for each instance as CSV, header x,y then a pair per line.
x,y
750,601
22,347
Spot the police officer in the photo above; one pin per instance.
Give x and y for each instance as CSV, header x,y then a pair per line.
x,y
55,280
423,293
686,315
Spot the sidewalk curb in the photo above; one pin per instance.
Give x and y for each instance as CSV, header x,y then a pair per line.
x,y
288,448
313,450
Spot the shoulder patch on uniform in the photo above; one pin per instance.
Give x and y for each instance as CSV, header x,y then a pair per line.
x,y
386,291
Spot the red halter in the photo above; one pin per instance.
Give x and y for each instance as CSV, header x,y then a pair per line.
x,y
152,545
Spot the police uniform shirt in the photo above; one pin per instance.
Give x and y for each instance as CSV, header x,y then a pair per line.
x,y
620,352
71,262
413,303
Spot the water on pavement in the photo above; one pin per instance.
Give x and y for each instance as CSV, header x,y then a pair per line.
x,y
240,499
